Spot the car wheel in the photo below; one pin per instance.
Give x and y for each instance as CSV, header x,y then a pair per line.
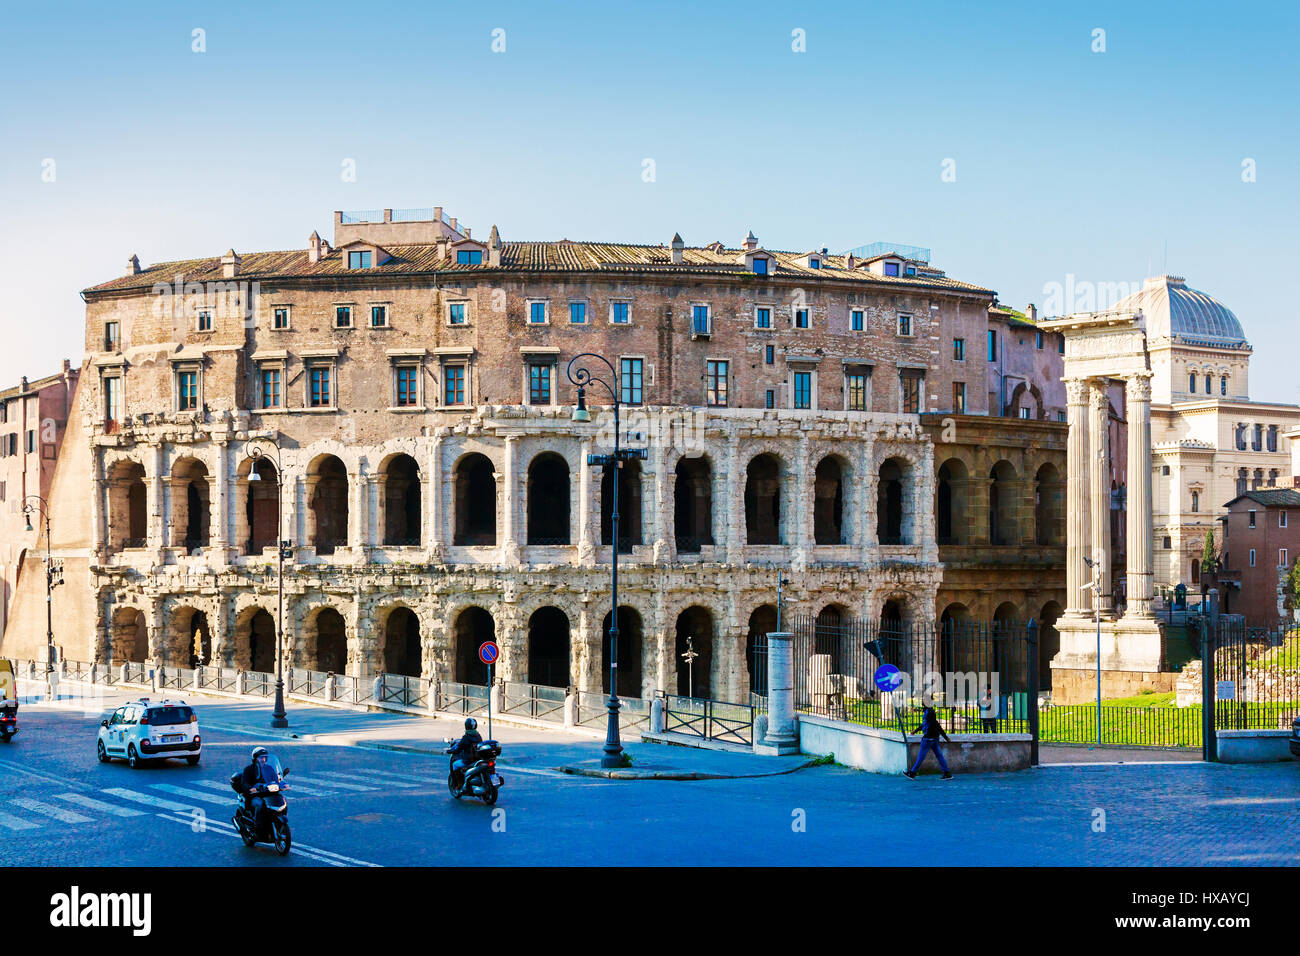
x,y
101,753
193,761
132,758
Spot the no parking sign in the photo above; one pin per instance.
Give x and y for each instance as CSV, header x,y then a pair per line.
x,y
488,652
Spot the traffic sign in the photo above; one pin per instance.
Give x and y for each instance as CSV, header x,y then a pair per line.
x,y
488,652
888,678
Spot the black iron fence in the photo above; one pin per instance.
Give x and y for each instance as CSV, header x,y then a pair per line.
x,y
981,676
1255,678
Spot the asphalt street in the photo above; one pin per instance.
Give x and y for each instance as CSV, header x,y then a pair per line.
x,y
355,807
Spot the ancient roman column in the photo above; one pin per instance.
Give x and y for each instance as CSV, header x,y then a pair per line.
x,y
1099,486
1079,530
1138,393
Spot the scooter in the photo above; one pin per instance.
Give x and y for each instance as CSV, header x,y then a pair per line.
x,y
8,719
480,778
271,823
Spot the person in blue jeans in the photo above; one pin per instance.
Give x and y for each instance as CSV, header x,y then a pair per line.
x,y
930,730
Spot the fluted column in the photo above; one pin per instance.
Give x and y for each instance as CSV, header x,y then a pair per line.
x,y
1138,393
1099,485
1079,530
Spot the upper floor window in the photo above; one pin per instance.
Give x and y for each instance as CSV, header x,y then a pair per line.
x,y
453,387
855,389
469,257
769,398
379,316
803,389
359,260
456,313
1209,385
631,375
536,313
112,399
408,386
620,312
993,345
814,263
959,398
1272,438
578,313
904,324
539,384
319,383
187,390
1196,504
1223,385
271,381
343,317
1038,340
1191,382
1281,519
280,317
112,337
1023,413
715,382
1241,439
760,266
700,320
855,320
1257,440
801,318
891,268
769,355
205,321
911,382
959,350
762,317
1060,344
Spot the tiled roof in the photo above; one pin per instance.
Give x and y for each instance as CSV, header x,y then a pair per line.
x,y
563,256
32,386
1272,497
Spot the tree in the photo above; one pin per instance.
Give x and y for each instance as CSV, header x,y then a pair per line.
x,y
1210,554
1293,585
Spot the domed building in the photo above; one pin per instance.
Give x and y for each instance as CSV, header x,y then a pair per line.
x,y
1210,441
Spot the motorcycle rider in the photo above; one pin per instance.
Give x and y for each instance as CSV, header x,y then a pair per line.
x,y
250,777
463,749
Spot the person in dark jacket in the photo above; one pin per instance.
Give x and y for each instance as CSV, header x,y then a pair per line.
x,y
250,777
930,730
463,749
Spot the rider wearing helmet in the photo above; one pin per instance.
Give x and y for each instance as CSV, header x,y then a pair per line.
x,y
251,777
463,749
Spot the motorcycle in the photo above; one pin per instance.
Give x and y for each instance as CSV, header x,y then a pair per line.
x,y
8,719
270,824
480,778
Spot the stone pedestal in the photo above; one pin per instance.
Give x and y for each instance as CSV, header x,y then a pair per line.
x,y
782,734
1130,660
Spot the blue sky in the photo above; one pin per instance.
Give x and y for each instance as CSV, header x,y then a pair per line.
x,y
1067,161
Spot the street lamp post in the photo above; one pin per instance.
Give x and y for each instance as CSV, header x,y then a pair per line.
x,y
53,578
582,377
256,451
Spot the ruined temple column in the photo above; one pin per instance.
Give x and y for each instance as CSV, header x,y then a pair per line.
x,y
1138,393
1099,487
586,550
1079,531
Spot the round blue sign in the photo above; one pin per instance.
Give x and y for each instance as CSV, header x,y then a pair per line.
x,y
888,677
488,652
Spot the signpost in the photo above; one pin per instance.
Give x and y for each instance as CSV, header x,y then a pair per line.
x,y
488,652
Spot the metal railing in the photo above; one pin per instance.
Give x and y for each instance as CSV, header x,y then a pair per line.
x,y
259,684
591,711
308,683
709,719
403,690
458,698
177,678
538,701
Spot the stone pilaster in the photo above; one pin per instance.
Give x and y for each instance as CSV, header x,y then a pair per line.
x,y
1138,394
220,536
1078,497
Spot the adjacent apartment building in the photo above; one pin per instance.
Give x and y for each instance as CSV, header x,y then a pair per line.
x,y
1261,543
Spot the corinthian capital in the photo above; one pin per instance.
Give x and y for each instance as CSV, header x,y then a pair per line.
x,y
1138,388
1076,391
1097,397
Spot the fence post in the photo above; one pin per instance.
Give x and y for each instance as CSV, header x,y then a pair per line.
x,y
432,701
1031,638
571,709
782,733
1209,742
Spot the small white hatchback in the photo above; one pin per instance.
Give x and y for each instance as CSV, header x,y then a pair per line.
x,y
150,730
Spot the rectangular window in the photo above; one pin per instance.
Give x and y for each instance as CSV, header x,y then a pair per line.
x,y
993,345
700,320
959,350
762,317
911,385
358,260
112,337
378,316
769,355
280,317
1060,344
855,387
408,386
1252,518
536,313
539,384
320,386
456,313
270,388
1060,416
769,399
959,398
760,266
205,321
187,390
1191,382
891,268
715,380
577,313
453,392
803,389
1252,557
619,312
904,324
1281,519
855,320
343,317
469,257
112,399
1038,340
29,441
801,318
630,379
1023,413
1281,558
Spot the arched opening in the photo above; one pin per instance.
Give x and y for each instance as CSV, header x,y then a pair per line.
x,y
189,639
1049,642
261,504
402,493
1049,506
694,654
629,506
476,502
327,647
255,641
827,635
127,506
693,504
130,638
955,634
327,492
548,501
1006,659
828,502
629,652
890,526
1002,504
950,507
474,627
762,622
763,500
892,633
548,647
190,502
402,652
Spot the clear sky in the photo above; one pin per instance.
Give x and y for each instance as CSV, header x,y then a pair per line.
x,y
1105,166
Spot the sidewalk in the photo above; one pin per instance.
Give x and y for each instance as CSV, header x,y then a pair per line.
x,y
525,749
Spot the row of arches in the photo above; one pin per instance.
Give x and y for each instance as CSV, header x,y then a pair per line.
x,y
475,505
1006,520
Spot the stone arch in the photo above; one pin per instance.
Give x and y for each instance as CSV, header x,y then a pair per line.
x,y
548,499
952,502
191,504
764,514
189,637
832,638
257,505
130,635
762,621
327,503
325,641
955,634
254,648
631,637
829,482
895,511
549,647
474,625
629,506
401,650
694,652
1049,506
1049,642
475,501
1003,524
400,512
128,505
693,503
1035,398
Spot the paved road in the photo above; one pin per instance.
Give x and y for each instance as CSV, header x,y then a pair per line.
x,y
355,806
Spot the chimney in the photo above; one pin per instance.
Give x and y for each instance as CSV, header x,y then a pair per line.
x,y
850,261
1031,312
442,247
325,249
467,233
437,214
494,247
677,246
133,265
313,248
750,243
230,264
453,225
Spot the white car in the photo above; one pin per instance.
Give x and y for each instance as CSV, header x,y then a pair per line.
x,y
150,730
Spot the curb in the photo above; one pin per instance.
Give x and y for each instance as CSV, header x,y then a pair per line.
x,y
634,774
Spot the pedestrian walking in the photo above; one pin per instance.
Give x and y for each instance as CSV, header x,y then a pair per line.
x,y
930,730
988,711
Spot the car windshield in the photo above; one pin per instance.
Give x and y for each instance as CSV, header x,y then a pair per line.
x,y
170,715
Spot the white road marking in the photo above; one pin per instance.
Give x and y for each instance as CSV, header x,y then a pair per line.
x,y
387,779
149,800
313,782
192,794
58,813
230,831
16,823
93,804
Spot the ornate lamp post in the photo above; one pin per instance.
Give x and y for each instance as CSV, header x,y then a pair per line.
x,y
257,449
53,578
582,377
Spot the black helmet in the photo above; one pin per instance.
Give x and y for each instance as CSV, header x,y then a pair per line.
x,y
470,724
258,752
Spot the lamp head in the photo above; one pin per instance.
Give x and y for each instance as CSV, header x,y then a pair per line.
x,y
253,475
28,515
580,414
